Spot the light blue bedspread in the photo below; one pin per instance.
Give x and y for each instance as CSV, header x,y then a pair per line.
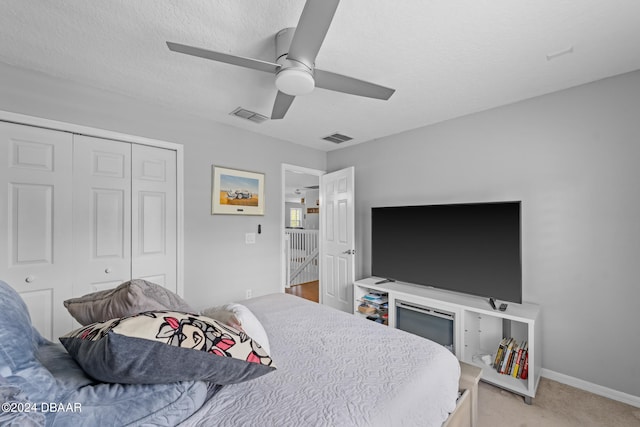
x,y
41,385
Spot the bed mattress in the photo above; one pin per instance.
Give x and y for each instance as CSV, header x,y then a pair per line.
x,y
337,369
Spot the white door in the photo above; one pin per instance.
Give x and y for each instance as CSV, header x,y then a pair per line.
x,y
337,242
101,213
154,215
36,222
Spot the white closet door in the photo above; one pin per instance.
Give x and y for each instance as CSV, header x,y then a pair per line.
x,y
101,213
154,215
35,222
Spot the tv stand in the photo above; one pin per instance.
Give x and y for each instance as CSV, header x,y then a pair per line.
x,y
478,328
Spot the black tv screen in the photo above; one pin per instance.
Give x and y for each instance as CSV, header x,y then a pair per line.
x,y
471,248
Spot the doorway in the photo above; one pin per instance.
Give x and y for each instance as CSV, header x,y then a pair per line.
x,y
300,223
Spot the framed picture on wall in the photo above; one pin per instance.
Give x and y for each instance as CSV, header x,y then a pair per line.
x,y
236,192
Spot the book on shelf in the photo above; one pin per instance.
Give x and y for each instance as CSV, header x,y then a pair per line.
x,y
511,358
500,354
516,364
507,356
517,368
525,368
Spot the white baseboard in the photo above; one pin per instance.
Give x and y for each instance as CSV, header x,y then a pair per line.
x,y
591,387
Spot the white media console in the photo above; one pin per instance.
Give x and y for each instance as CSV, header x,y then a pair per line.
x,y
477,327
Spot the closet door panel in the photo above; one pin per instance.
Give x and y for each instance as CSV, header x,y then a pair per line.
x,y
154,213
101,213
35,218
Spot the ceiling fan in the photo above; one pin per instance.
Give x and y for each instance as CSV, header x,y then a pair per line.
x,y
296,51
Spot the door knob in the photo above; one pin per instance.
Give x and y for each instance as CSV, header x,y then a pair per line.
x,y
350,252
107,270
29,279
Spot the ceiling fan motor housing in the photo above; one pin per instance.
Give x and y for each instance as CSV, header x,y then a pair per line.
x,y
294,77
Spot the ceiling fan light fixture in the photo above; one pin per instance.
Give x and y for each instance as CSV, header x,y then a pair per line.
x,y
294,81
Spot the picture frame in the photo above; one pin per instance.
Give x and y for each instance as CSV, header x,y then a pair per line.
x,y
236,192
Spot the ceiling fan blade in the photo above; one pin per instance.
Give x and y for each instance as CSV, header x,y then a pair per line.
x,y
340,83
311,30
281,105
255,64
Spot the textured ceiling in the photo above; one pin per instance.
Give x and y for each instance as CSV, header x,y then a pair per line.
x,y
445,58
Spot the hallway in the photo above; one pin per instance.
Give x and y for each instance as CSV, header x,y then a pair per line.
x,y
308,290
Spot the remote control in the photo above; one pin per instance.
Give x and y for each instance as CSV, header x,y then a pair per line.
x,y
493,303
503,307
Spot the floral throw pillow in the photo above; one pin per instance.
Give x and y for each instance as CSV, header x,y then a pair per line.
x,y
166,346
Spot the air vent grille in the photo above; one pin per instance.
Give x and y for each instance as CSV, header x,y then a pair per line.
x,y
337,138
249,115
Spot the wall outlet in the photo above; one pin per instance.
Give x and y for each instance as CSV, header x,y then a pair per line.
x,y
248,293
250,238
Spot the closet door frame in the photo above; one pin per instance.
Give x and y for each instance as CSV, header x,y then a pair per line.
x,y
8,116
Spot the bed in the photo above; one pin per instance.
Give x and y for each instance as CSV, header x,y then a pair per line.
x,y
331,369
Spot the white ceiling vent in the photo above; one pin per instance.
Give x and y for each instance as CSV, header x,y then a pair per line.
x,y
249,115
337,138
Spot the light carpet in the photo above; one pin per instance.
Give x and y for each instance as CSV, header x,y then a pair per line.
x,y
555,405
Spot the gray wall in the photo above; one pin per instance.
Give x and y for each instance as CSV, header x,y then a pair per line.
x,y
219,266
573,158
312,220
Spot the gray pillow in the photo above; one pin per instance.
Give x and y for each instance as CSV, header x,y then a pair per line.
x,y
159,347
132,297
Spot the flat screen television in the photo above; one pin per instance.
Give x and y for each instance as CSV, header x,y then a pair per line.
x,y
473,248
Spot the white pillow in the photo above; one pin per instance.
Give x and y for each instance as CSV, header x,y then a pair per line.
x,y
237,314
